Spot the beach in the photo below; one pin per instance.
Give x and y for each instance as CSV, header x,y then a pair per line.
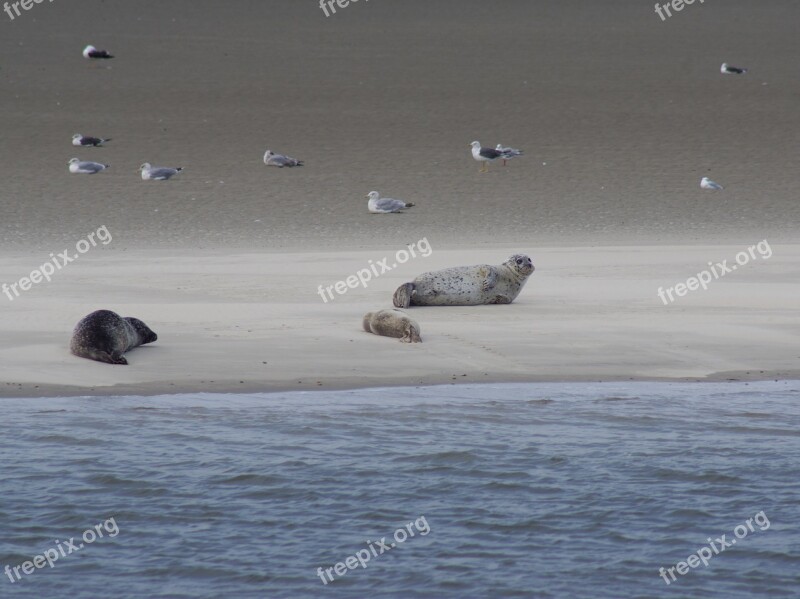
x,y
619,114
612,432
248,322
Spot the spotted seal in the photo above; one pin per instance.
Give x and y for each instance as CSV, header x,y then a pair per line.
x,y
105,335
392,323
467,285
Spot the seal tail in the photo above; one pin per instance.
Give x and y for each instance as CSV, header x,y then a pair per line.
x,y
100,356
402,297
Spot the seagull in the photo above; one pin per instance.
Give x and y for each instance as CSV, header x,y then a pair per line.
x,y
484,155
707,183
92,52
726,69
508,153
379,205
279,160
159,173
85,140
86,168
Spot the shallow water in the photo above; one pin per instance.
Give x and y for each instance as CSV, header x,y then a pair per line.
x,y
546,490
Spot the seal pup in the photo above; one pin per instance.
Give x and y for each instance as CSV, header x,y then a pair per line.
x,y
392,323
88,140
104,336
158,173
82,167
379,205
280,160
467,285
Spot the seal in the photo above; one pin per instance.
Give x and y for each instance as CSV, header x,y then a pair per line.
x,y
392,323
467,285
105,335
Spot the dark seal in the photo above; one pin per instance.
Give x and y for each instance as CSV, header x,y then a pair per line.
x,y
105,335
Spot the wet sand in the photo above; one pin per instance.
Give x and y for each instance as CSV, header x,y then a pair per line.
x,y
619,114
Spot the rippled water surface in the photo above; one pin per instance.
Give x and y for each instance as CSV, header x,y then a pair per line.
x,y
547,490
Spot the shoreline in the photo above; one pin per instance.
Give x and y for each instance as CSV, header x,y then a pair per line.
x,y
161,388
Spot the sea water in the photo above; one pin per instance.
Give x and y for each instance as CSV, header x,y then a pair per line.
x,y
543,490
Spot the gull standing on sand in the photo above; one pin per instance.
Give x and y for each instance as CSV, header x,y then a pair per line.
x,y
484,155
279,160
707,183
379,205
727,69
158,173
85,168
92,52
85,140
508,153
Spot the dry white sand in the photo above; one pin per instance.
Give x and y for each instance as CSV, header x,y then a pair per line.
x,y
254,322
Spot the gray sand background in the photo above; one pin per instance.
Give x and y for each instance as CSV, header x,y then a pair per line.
x,y
627,111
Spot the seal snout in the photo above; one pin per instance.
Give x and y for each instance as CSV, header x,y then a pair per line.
x,y
521,263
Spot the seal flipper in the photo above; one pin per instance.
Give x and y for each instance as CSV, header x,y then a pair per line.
x,y
108,358
119,359
490,281
365,322
411,334
402,297
100,356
